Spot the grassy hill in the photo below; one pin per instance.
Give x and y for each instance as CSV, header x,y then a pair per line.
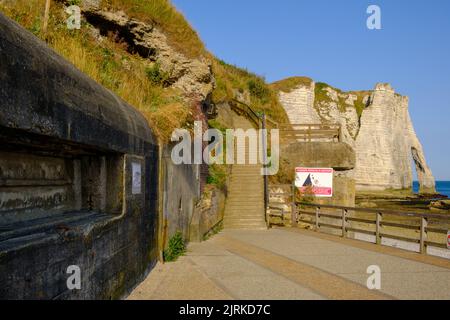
x,y
132,77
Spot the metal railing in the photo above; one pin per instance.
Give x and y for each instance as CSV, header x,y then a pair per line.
x,y
262,122
344,219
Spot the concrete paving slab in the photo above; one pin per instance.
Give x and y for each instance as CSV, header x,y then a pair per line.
x,y
282,264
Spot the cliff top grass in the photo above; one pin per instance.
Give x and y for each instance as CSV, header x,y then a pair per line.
x,y
289,84
232,80
321,96
107,62
134,78
162,13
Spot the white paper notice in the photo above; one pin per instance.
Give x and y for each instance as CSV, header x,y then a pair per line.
x,y
137,178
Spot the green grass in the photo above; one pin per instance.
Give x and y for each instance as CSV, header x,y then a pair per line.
x,y
134,79
156,76
289,84
217,176
139,81
321,97
175,248
215,230
232,79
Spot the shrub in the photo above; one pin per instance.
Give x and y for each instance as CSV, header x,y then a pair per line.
x,y
217,176
258,89
156,76
175,248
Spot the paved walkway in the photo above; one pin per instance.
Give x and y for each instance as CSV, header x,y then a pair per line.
x,y
294,264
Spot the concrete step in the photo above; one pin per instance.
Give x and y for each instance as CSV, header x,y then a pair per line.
x,y
253,217
246,227
244,223
244,206
244,214
242,203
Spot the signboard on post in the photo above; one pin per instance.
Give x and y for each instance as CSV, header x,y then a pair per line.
x,y
316,181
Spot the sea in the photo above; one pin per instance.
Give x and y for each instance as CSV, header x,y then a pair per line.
x,y
442,187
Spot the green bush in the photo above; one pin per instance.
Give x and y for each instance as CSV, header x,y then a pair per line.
x,y
156,76
217,176
176,247
258,89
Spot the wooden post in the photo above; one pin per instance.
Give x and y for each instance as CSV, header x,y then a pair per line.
x,y
378,228
46,16
293,208
317,218
423,234
344,224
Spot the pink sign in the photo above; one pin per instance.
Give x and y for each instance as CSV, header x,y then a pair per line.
x,y
317,181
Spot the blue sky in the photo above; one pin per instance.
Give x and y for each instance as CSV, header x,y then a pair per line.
x,y
329,41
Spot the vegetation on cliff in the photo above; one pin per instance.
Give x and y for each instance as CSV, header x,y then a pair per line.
x,y
107,62
323,97
289,84
140,81
182,37
232,81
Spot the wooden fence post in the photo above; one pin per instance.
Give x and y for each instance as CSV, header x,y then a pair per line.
x,y
423,234
378,228
344,224
317,218
293,208
46,17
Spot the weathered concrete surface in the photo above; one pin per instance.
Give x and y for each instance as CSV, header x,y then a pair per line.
x,y
208,214
383,137
69,193
298,265
337,155
181,193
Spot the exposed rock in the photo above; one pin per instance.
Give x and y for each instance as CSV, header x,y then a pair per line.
x,y
193,76
298,105
383,137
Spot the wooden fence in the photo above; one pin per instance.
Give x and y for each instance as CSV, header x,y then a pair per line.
x,y
424,223
368,221
311,132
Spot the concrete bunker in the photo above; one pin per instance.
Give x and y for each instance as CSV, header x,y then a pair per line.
x,y
78,179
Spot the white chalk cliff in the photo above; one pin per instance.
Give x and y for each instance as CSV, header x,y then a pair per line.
x,y
381,133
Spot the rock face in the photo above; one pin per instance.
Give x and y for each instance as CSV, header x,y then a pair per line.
x,y
383,136
298,105
192,76
386,142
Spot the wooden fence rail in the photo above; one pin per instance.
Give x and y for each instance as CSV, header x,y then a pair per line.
x,y
346,219
342,222
311,132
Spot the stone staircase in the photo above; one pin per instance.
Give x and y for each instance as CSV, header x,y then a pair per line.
x,y
244,208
